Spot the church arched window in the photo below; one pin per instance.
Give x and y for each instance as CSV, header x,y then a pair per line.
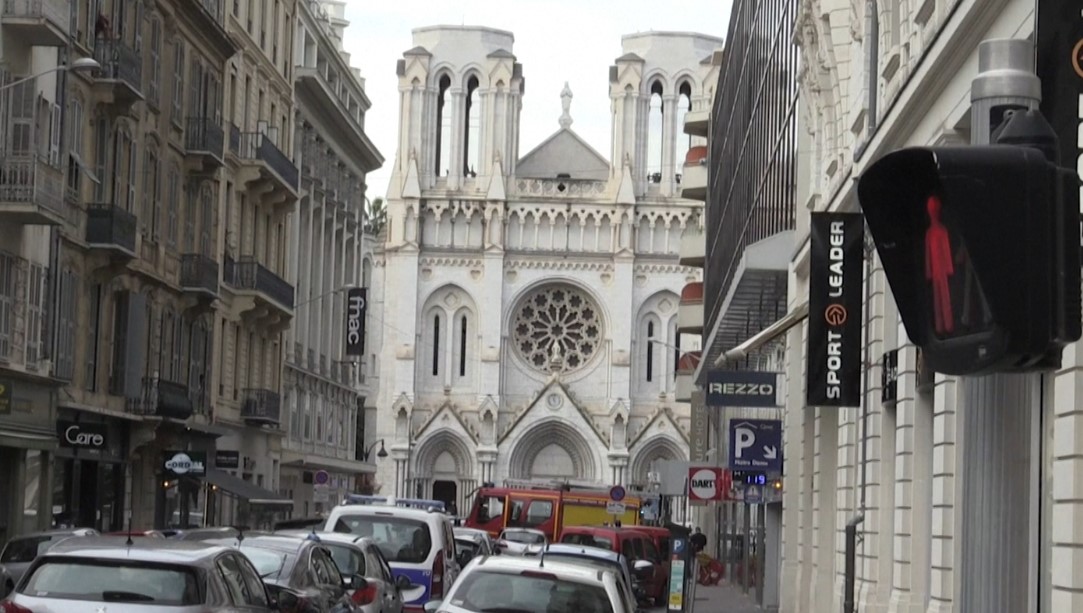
x,y
472,129
462,346
650,351
684,105
443,128
436,345
654,134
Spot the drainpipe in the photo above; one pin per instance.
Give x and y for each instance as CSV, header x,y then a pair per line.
x,y
848,603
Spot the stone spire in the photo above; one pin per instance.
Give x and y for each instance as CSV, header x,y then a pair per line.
x,y
566,102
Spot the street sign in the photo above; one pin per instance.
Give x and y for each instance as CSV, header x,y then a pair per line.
x,y
707,483
742,388
753,494
756,444
615,508
321,477
616,493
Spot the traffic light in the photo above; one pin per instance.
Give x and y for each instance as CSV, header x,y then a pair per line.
x,y
981,247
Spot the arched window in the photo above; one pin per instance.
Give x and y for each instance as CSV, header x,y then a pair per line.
x,y
684,105
443,128
650,351
472,129
462,346
436,345
654,134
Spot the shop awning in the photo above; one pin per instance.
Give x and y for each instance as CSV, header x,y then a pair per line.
x,y
25,439
311,461
251,492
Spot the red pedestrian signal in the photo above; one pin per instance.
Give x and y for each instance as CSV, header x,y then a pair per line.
x,y
981,249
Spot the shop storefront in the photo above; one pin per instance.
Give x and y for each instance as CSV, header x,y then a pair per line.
x,y
27,443
90,471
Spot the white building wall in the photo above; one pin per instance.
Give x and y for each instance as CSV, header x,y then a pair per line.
x,y
908,560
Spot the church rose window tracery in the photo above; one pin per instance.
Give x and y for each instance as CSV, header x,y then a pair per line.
x,y
557,322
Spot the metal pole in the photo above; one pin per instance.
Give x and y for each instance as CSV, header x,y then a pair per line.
x,y
995,416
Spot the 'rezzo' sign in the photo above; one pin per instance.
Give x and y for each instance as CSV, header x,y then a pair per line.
x,y
834,314
742,388
356,308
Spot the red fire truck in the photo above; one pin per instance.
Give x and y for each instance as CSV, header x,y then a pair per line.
x,y
546,506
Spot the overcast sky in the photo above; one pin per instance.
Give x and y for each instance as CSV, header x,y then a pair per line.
x,y
555,41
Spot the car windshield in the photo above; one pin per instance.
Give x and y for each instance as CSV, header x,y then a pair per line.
x,y
530,538
530,592
268,562
25,549
348,560
399,539
105,581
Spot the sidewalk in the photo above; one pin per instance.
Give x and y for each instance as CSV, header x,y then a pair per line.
x,y
723,599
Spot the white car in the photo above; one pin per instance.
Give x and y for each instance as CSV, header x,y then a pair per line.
x,y
521,541
533,584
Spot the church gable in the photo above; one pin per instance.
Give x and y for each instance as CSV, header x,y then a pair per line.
x,y
554,400
660,422
447,417
563,153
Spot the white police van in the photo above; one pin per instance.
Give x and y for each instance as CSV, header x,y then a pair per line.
x,y
414,535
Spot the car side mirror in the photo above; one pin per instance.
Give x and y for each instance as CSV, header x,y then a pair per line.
x,y
402,582
284,601
433,606
643,567
355,582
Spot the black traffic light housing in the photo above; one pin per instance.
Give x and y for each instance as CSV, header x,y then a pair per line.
x,y
981,247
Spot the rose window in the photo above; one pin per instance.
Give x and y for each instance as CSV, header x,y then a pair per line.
x,y
557,325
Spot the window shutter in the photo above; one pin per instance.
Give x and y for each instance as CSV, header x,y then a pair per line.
x,y
55,126
135,346
133,163
138,27
178,81
171,207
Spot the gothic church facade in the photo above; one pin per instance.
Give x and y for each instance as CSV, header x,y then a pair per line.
x,y
526,306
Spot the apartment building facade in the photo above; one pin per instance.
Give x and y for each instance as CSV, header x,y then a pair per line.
x,y
327,389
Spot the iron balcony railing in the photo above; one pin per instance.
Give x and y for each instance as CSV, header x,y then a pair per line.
x,y
249,274
258,146
204,135
120,62
260,405
110,225
55,11
163,398
31,180
199,272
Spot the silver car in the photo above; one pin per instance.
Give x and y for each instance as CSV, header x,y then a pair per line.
x,y
142,576
20,551
359,555
521,541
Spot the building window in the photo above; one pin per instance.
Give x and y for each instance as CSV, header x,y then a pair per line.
x,y
650,351
472,129
35,315
443,128
103,137
178,81
557,322
172,206
655,116
155,62
65,359
168,345
436,345
93,317
152,207
462,346
8,270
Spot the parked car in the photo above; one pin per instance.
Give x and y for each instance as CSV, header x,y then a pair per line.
x,y
599,559
471,543
21,551
521,541
532,584
358,555
142,576
300,570
418,544
649,568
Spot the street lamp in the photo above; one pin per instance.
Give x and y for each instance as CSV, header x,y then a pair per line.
x,y
83,64
382,453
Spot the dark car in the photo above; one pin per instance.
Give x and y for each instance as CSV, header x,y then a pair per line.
x,y
300,568
145,574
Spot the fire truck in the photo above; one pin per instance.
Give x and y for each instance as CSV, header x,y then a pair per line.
x,y
547,506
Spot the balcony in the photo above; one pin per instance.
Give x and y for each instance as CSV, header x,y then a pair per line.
x,y
204,144
270,296
111,228
209,17
693,247
697,123
265,163
40,23
31,191
686,368
690,309
261,407
199,275
694,177
120,79
164,399
314,86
